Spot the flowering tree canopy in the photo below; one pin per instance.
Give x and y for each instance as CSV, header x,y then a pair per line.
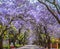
x,y
31,12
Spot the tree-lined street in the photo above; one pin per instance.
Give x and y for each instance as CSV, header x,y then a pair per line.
x,y
29,24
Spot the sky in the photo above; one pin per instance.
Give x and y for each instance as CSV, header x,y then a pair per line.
x,y
33,1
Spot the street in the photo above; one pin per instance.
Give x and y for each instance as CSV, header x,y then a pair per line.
x,y
30,47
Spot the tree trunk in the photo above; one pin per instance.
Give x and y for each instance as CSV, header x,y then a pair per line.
x,y
49,43
1,43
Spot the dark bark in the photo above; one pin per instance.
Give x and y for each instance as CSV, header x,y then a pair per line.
x,y
47,37
51,11
1,43
49,42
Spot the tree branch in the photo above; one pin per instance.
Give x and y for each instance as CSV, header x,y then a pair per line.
x,y
55,4
52,12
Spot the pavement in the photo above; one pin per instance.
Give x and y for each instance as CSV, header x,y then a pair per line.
x,y
30,47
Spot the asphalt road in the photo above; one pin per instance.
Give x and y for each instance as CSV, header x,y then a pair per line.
x,y
30,47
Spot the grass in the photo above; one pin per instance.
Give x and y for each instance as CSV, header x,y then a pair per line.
x,y
7,46
18,45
